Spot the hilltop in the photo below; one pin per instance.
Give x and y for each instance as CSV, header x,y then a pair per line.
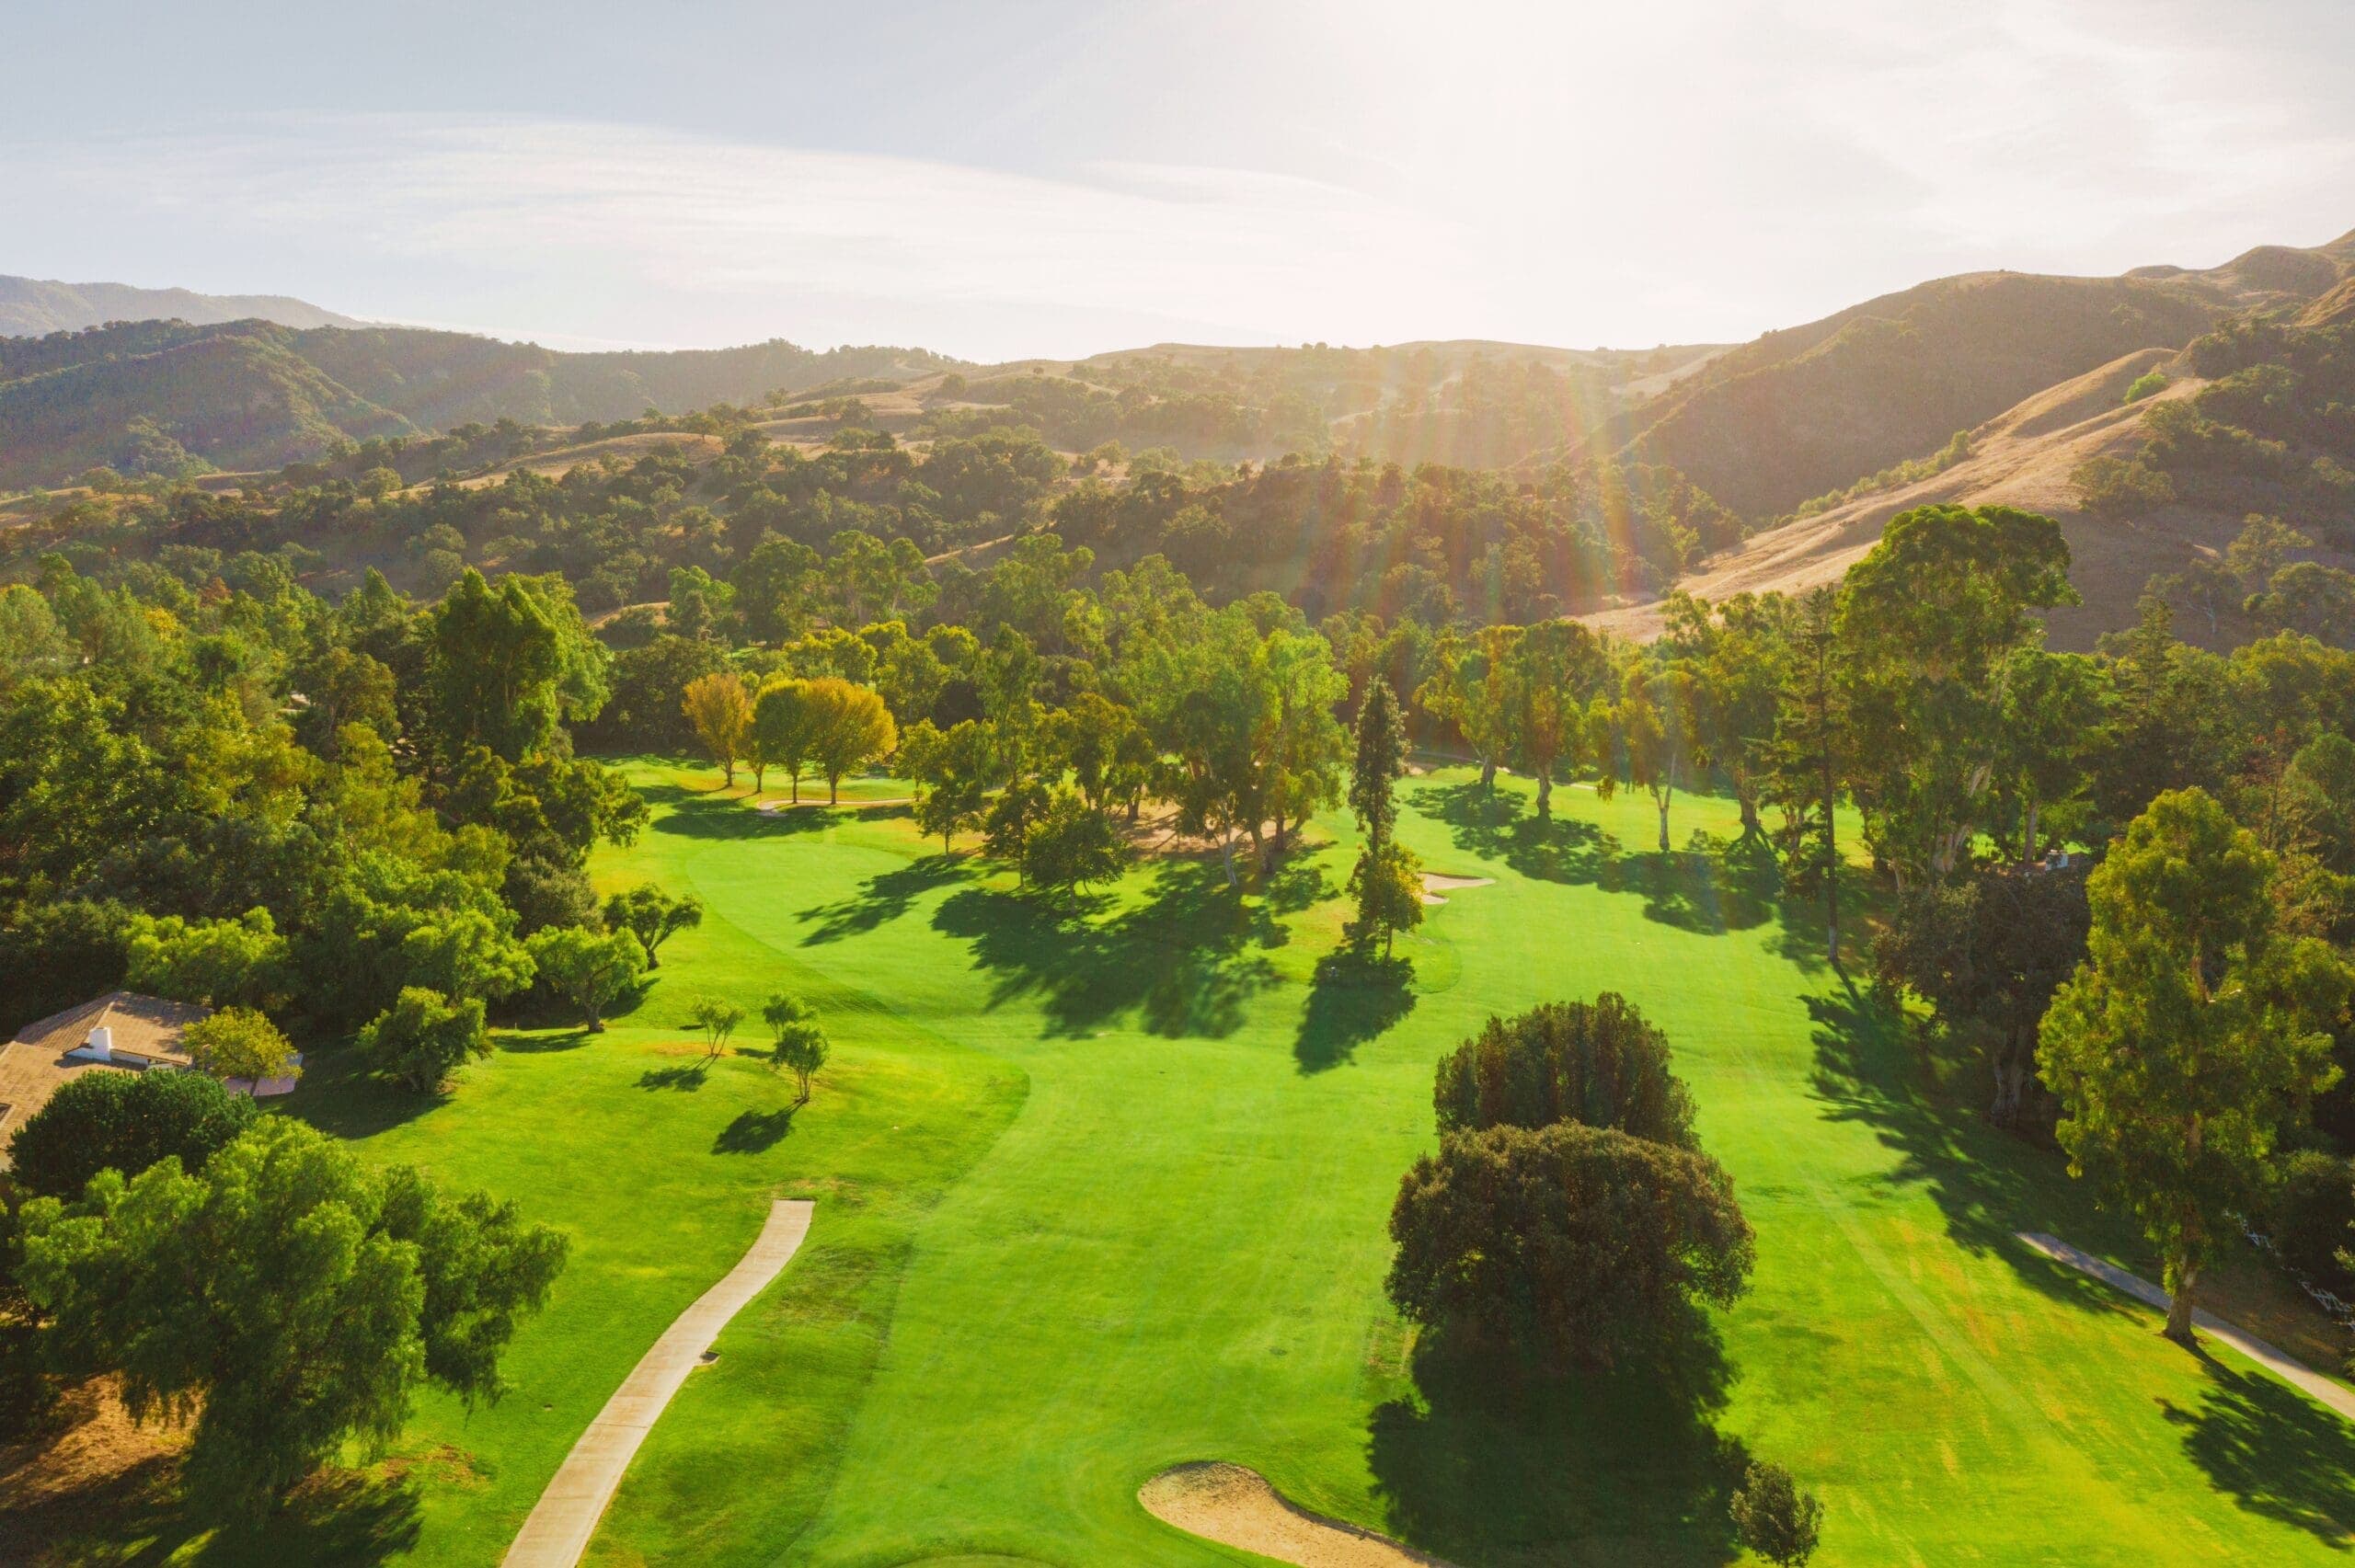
x,y
34,307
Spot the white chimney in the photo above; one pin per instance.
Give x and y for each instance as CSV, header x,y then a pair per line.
x,y
100,1045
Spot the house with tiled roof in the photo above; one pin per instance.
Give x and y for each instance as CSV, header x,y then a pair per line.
x,y
121,1032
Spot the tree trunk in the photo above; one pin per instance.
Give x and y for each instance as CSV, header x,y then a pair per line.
x,y
2182,1280
834,789
1226,855
1663,821
796,786
1488,775
1751,827
1544,792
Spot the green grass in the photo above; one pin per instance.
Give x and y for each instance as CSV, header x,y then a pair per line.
x,y
1102,1192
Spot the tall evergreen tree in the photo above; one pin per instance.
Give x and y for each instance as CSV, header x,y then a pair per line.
x,y
1381,762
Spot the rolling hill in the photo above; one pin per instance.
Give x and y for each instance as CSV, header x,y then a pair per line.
x,y
34,307
1808,409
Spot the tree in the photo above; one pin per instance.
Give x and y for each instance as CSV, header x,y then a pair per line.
x,y
1651,721
1470,690
784,732
286,1298
1100,741
1581,1243
1380,762
953,770
2191,1032
1387,883
592,969
850,729
1807,756
722,717
652,916
1071,844
498,655
1774,1518
213,963
801,1045
238,1042
1549,673
423,1038
718,1018
1006,831
1600,1064
126,1122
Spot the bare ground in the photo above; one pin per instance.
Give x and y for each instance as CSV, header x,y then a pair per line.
x,y
1235,1507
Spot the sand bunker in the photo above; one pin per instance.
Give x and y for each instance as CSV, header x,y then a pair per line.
x,y
1434,884
1235,1507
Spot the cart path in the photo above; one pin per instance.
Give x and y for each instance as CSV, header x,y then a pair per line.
x,y
2280,1363
565,1515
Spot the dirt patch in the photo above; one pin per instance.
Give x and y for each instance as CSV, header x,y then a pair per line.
x,y
97,1460
1437,883
1235,1507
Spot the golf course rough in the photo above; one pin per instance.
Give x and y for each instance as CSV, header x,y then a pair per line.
x,y
1106,1187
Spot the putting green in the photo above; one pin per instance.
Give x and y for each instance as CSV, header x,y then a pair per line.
x,y
1102,1192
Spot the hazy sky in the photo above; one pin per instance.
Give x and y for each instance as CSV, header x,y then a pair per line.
x,y
994,180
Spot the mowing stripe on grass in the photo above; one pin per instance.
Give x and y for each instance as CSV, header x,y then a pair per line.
x,y
565,1515
2280,1363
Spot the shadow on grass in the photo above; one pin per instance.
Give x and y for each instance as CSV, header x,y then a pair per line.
x,y
755,1131
571,1040
881,898
686,1079
2275,1452
1356,995
1496,1462
337,1094
725,814
1182,962
1711,887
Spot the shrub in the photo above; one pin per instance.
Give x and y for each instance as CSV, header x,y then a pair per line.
x,y
238,1042
2150,383
2111,487
423,1038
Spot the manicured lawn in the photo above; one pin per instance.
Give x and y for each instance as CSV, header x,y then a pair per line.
x,y
1102,1191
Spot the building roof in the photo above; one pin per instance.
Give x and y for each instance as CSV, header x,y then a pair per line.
x,y
36,1063
145,1027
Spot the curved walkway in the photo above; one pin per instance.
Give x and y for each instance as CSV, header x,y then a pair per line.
x,y
1235,1507
565,1515
2280,1363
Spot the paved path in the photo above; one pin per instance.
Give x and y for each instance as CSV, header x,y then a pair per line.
x,y
2280,1363
567,1514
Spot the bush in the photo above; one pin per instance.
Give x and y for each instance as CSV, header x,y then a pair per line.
x,y
125,1121
2311,1218
1775,1518
2109,488
2150,383
1072,844
238,1042
423,1038
1597,1064
1581,1243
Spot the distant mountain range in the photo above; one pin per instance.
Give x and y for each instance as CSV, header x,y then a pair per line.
x,y
33,307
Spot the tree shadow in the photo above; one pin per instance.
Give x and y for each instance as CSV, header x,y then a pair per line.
x,y
1988,1185
1183,962
881,899
1711,887
1496,1461
337,1094
2277,1452
694,814
755,1131
685,1078
1357,994
571,1040
137,1516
